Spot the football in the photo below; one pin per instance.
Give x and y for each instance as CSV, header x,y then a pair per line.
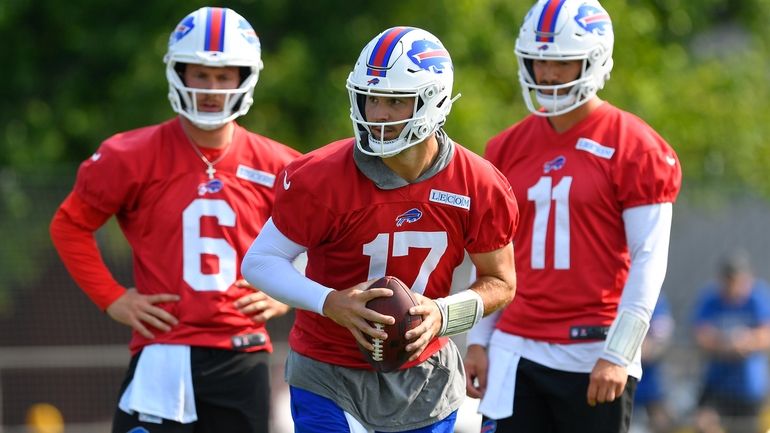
x,y
390,354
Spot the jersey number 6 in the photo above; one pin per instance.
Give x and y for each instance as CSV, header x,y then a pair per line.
x,y
194,245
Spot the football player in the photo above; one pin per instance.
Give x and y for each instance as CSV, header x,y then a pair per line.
x,y
596,187
399,198
190,195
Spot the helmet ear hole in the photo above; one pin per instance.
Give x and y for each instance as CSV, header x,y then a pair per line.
x,y
244,72
361,104
429,92
180,67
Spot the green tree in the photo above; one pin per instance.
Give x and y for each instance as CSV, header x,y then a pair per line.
x,y
76,72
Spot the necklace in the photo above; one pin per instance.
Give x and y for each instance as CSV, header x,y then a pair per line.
x,y
210,170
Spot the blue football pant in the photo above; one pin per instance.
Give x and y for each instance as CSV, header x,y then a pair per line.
x,y
313,413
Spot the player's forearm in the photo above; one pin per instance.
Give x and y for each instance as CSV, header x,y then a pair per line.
x,y
496,278
760,339
495,292
493,289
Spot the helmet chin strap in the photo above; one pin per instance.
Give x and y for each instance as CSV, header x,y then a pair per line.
x,y
384,144
555,102
206,127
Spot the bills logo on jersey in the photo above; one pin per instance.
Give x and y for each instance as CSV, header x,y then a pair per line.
x,y
409,216
182,29
429,56
555,164
593,19
212,186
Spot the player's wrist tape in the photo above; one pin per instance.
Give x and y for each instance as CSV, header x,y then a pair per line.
x,y
459,312
626,335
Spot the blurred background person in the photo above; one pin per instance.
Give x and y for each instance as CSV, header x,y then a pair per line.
x,y
650,397
732,329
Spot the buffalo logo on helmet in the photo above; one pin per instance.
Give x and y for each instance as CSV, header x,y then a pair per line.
x,y
247,32
409,216
554,164
373,81
593,19
212,186
429,56
182,29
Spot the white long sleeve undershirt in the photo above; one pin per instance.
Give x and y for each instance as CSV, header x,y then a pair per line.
x,y
268,266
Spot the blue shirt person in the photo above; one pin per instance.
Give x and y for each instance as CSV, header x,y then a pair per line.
x,y
650,393
732,327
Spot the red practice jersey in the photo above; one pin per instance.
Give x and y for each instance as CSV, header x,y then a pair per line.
x,y
571,255
188,232
355,232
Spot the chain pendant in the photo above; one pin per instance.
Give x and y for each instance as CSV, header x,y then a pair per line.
x,y
210,171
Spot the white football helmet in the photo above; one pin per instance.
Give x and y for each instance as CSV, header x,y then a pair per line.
x,y
404,62
563,30
216,37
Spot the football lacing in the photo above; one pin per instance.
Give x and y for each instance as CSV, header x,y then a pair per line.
x,y
378,344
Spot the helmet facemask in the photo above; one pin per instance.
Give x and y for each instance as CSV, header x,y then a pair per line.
x,y
184,100
422,123
548,96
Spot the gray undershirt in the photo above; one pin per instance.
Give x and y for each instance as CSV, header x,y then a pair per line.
x,y
401,400
382,176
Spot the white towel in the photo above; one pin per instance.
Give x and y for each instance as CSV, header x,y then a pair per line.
x,y
497,402
162,385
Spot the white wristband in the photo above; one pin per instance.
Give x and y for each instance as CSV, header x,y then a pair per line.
x,y
459,312
626,335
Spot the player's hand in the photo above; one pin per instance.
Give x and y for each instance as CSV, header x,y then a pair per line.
x,y
607,382
348,308
258,305
136,310
476,369
422,334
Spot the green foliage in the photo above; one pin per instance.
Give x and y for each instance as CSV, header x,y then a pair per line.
x,y
696,71
77,72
